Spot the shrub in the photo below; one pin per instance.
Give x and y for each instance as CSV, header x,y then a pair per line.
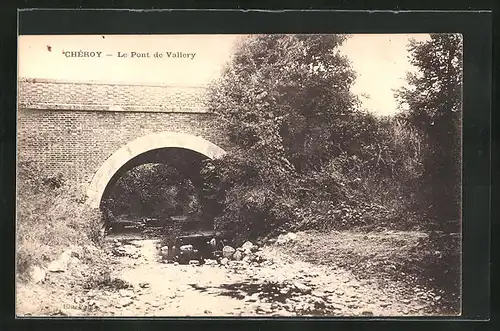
x,y
51,216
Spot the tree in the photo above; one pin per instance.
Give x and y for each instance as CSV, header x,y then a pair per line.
x,y
432,103
285,102
154,190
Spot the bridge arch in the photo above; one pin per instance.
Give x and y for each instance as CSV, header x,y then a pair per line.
x,y
142,145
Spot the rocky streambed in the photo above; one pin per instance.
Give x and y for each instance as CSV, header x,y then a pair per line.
x,y
261,281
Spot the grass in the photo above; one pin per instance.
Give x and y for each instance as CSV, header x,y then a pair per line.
x,y
51,216
410,257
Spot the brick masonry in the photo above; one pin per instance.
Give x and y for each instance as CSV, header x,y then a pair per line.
x,y
76,141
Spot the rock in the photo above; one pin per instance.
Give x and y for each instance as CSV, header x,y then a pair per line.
x,y
384,304
210,262
61,264
176,263
144,285
74,262
164,251
224,261
228,252
194,262
282,239
186,248
66,256
405,301
284,290
247,252
367,313
238,256
56,266
301,287
37,274
247,245
247,259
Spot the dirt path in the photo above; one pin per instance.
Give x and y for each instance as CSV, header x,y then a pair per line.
x,y
279,286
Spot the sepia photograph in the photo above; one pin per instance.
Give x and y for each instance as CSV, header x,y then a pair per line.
x,y
218,175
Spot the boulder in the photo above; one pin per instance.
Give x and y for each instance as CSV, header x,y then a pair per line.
x,y
237,256
194,262
224,261
66,256
74,262
164,251
57,266
210,262
247,245
228,252
284,238
186,248
37,274
302,288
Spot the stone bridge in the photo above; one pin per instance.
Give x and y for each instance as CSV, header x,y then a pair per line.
x,y
89,132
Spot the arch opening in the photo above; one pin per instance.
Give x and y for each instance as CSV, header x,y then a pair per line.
x,y
129,156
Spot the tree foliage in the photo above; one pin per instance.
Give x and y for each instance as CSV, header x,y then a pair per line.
x,y
154,190
299,132
433,104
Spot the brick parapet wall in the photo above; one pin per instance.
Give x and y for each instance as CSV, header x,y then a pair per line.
x,y
76,143
73,127
47,94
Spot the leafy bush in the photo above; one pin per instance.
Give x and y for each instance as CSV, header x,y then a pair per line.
x,y
440,267
51,216
285,103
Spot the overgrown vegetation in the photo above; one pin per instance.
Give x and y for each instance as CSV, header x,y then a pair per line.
x,y
307,156
154,190
162,191
51,216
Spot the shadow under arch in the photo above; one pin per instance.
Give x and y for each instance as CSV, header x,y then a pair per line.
x,y
142,145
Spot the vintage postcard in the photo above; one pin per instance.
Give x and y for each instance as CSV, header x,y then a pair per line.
x,y
239,175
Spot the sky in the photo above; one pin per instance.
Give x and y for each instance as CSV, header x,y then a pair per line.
x,y
380,60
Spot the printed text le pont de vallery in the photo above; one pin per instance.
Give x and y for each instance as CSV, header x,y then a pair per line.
x,y
133,55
